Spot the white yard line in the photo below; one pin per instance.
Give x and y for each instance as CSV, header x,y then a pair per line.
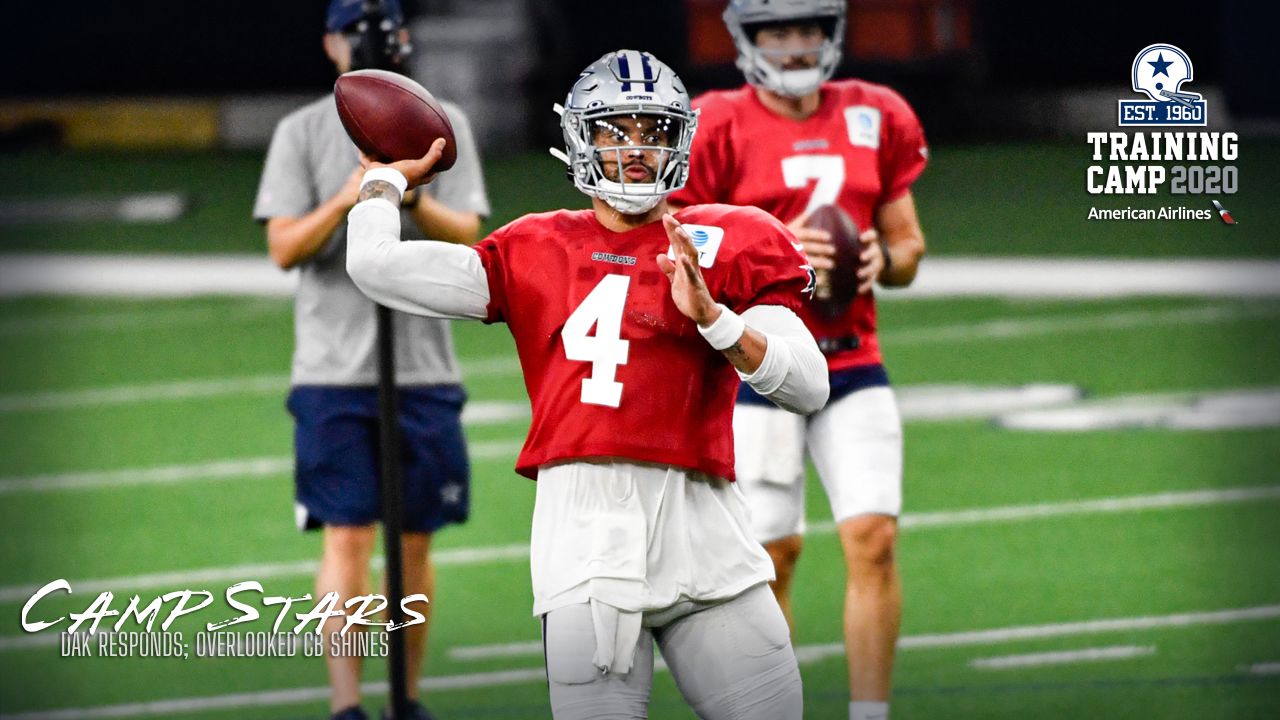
x,y
1002,328
921,402
273,384
163,475
1228,409
137,207
153,275
994,636
144,392
1043,277
1021,327
1091,627
49,323
806,654
217,470
1063,657
489,652
1263,668
941,403
1134,503
136,275
504,553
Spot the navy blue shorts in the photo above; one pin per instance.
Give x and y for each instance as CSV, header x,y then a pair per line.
x,y
843,382
337,471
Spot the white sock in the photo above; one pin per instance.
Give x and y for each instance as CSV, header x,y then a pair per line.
x,y
864,710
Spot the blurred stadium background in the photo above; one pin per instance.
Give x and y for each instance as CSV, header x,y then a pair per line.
x,y
1091,521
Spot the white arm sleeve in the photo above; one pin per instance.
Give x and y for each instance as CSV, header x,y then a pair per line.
x,y
793,373
435,279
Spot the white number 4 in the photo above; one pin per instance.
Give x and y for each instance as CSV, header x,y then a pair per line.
x,y
605,350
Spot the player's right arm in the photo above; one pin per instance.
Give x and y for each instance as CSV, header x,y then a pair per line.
x,y
423,277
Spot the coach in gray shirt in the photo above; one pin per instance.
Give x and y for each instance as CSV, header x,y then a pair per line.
x,y
311,179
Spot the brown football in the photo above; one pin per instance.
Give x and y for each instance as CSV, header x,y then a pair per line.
x,y
390,117
842,282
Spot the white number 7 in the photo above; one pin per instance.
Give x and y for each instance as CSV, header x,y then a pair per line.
x,y
605,350
798,170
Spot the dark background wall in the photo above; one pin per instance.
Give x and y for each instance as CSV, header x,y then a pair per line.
x,y
200,48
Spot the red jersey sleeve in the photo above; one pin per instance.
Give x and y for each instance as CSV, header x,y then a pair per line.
x,y
904,152
769,270
710,157
493,256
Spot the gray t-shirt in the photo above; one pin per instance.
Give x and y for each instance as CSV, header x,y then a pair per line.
x,y
335,331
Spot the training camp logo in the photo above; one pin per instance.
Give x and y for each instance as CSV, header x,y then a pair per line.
x,y
1159,72
1145,159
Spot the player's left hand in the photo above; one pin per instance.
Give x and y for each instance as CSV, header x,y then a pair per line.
x,y
417,172
871,260
687,287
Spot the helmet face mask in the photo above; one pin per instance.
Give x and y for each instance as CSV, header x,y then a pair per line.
x,y
620,143
628,111
763,67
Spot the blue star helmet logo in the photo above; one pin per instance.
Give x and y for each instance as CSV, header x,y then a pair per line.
x,y
1161,65
1159,72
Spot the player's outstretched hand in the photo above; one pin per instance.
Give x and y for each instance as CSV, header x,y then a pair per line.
x,y
871,260
687,287
417,172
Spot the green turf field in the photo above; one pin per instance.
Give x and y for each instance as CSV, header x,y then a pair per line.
x,y
984,575
147,450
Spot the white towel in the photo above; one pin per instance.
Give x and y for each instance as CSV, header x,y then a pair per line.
x,y
617,634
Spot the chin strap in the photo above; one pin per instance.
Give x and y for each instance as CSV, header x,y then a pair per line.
x,y
798,83
631,205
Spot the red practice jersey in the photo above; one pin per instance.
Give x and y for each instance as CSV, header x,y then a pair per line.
x,y
864,147
613,369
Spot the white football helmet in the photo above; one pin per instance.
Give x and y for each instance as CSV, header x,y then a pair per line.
x,y
744,16
1160,70
626,83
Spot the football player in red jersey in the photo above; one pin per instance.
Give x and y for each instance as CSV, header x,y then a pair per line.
x,y
633,327
788,142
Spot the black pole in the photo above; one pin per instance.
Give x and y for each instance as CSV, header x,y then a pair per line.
x,y
392,507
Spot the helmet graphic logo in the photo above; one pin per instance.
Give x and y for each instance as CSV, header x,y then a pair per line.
x,y
1159,73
